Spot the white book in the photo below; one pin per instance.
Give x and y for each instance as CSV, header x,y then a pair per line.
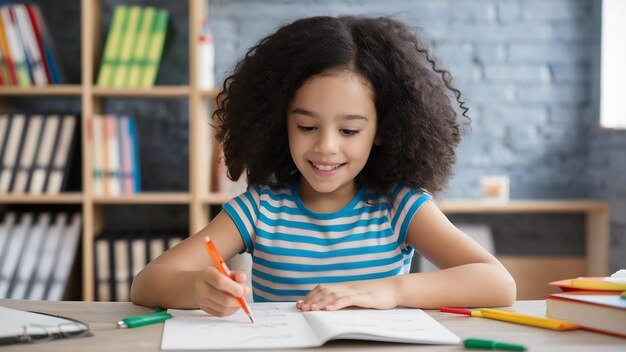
x,y
51,249
59,170
6,227
10,151
31,257
44,155
16,247
66,258
103,273
97,123
120,258
29,40
282,325
26,159
113,152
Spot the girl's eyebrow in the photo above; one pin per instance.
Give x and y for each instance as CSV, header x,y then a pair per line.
x,y
304,112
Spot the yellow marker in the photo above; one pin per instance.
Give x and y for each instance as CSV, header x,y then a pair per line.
x,y
546,323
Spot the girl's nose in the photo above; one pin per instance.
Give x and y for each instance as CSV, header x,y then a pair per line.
x,y
327,143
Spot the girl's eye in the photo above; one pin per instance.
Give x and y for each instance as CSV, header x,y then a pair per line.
x,y
346,132
307,128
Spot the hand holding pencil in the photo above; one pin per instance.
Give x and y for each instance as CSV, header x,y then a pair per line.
x,y
223,269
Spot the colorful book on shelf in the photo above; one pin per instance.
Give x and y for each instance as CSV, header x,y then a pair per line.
x,y
112,146
134,155
46,46
597,311
16,47
140,49
10,74
112,46
34,55
155,48
128,36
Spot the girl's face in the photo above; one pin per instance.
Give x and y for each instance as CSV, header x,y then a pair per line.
x,y
331,126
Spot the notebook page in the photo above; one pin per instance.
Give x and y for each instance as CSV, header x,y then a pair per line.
x,y
277,325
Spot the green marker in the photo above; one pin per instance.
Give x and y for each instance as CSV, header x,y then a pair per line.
x,y
492,345
142,320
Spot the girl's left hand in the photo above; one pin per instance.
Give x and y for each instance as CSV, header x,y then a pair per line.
x,y
366,294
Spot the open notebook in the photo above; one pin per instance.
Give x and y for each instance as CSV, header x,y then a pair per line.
x,y
282,325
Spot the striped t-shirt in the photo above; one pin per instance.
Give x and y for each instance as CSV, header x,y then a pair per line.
x,y
294,249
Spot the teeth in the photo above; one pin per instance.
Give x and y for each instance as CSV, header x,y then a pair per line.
x,y
325,167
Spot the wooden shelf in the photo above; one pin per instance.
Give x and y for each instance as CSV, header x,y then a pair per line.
x,y
154,92
212,93
44,91
146,198
522,206
61,198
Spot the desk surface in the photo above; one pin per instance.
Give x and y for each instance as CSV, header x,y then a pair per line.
x,y
103,316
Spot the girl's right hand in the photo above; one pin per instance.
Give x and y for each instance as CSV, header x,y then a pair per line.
x,y
216,293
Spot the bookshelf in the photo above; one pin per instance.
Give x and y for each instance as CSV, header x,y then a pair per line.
x,y
92,99
199,199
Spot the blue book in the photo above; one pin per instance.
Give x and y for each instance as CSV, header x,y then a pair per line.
x,y
134,147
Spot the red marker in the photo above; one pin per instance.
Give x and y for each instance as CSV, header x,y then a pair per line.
x,y
220,264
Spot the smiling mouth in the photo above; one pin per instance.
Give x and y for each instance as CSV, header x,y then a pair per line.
x,y
324,167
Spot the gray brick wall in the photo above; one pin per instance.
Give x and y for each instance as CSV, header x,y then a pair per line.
x,y
528,70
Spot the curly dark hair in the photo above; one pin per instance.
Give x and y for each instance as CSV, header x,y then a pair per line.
x,y
417,123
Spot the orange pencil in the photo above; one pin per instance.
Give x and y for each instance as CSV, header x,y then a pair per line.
x,y
220,264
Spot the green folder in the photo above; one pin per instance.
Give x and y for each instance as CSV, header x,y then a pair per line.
x,y
155,48
140,50
112,47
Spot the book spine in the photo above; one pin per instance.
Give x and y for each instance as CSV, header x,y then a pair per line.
x,y
66,258
17,246
52,246
125,155
155,48
134,147
129,34
11,150
44,156
49,53
33,54
26,160
60,163
15,46
112,47
6,53
140,51
31,257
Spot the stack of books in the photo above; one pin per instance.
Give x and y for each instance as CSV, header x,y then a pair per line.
x,y
36,152
119,256
27,56
133,48
37,252
595,303
115,155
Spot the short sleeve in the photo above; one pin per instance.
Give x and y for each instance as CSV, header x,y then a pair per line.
x,y
406,203
244,210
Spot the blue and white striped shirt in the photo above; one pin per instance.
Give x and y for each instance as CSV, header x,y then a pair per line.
x,y
294,249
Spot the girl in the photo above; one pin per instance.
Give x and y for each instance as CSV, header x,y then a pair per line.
x,y
340,126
